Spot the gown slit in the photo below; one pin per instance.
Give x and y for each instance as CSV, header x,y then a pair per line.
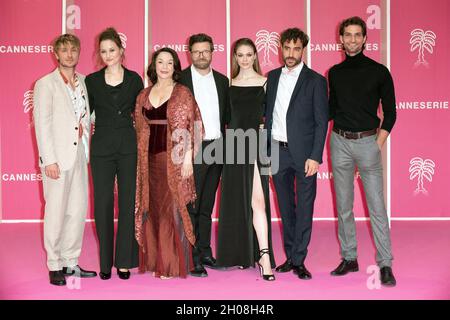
x,y
237,243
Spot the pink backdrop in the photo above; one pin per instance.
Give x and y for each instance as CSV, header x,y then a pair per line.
x,y
172,22
97,15
262,21
420,133
28,27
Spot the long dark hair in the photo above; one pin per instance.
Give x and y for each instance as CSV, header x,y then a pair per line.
x,y
234,64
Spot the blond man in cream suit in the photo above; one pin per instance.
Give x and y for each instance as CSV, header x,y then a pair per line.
x,y
62,124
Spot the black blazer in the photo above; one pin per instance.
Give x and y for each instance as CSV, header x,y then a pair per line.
x,y
222,85
307,115
114,131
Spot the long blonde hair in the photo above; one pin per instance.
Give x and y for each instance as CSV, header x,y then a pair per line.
x,y
234,64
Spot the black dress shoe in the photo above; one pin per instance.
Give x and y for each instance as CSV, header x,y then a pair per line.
x,y
211,262
124,275
302,272
199,271
105,276
57,278
387,277
78,272
345,267
285,267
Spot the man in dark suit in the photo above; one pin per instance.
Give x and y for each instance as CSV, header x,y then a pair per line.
x,y
210,89
297,123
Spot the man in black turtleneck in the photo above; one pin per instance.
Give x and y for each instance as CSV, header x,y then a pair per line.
x,y
356,87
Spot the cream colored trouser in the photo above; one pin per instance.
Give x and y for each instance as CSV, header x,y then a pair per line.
x,y
66,201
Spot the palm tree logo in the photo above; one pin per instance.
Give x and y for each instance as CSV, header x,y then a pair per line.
x,y
28,105
27,101
123,39
269,42
420,169
422,40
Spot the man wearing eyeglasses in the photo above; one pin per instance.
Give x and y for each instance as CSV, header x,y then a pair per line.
x,y
62,124
210,89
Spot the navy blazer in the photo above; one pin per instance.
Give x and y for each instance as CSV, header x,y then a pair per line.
x,y
114,130
307,115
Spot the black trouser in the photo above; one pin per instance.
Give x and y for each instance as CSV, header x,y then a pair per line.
x,y
297,217
104,172
207,177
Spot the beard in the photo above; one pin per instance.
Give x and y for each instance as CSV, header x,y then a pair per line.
x,y
202,64
292,62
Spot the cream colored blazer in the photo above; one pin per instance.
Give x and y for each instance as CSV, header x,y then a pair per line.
x,y
55,122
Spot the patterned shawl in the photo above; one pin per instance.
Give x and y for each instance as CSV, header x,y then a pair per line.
x,y
184,123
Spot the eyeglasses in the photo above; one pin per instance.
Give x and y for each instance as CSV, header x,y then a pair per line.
x,y
204,53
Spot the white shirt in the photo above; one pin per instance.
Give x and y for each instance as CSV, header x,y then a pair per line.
x,y
207,98
286,85
78,97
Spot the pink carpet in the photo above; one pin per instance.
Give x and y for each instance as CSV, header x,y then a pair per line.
x,y
421,266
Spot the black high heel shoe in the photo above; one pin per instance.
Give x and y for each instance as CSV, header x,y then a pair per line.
x,y
105,275
124,275
267,277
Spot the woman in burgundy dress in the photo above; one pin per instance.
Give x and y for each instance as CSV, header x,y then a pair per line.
x,y
169,130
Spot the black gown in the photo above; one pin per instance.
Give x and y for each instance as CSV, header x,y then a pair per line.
x,y
237,243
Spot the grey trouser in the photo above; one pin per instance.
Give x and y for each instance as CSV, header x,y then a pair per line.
x,y
366,155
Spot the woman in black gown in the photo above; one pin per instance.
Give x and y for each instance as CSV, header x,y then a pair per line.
x,y
244,222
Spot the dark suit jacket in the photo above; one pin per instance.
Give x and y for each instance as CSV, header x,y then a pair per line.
x,y
307,115
114,131
222,85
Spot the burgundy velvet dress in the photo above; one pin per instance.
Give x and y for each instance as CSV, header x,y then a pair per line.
x,y
165,244
163,226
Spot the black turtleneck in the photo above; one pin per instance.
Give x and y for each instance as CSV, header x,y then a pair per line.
x,y
356,87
